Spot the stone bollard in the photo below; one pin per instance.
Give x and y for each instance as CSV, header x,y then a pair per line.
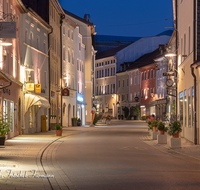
x,y
154,135
175,142
162,139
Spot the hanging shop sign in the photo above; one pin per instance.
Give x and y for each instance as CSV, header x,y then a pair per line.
x,y
7,29
65,92
6,91
30,86
37,88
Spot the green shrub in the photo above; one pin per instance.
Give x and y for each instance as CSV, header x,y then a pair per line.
x,y
58,127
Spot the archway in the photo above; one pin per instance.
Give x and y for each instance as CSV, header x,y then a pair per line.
x,y
69,116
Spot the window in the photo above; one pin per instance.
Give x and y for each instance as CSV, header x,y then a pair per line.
x,y
154,73
185,104
45,79
113,88
105,62
105,72
79,46
147,92
64,56
151,75
31,39
111,72
144,75
26,36
189,109
82,67
135,82
44,47
184,48
68,56
102,63
119,83
97,91
77,65
99,73
147,74
180,107
189,40
118,97
102,73
100,90
108,89
108,72
131,97
38,42
138,77
7,10
108,62
123,97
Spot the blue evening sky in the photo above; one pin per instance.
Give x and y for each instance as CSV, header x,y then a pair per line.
x,y
139,18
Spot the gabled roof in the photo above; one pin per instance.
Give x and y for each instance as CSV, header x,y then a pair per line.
x,y
110,52
78,18
144,60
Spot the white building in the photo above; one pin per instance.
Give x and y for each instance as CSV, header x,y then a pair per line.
x,y
69,83
34,71
80,67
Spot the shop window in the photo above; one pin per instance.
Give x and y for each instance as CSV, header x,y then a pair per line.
x,y
144,75
193,106
181,107
189,109
8,111
185,105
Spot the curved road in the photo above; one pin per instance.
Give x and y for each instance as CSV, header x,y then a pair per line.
x,y
117,158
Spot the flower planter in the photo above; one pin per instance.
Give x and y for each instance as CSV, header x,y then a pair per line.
x,y
58,132
2,140
161,132
155,129
74,122
108,122
176,135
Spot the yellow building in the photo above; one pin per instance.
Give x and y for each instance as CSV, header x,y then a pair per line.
x,y
105,88
188,72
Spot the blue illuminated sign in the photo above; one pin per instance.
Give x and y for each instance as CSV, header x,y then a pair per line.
x,y
80,98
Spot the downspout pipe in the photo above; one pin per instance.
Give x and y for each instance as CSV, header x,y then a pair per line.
x,y
62,17
49,77
192,66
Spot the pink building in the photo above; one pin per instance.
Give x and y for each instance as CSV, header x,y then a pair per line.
x,y
10,93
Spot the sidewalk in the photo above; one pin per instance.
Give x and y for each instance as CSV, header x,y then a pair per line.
x,y
21,165
187,147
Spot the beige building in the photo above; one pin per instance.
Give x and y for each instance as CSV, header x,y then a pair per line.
x,y
122,91
188,70
105,86
87,31
55,16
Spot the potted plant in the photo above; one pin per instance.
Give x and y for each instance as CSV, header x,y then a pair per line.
x,y
119,116
161,128
103,119
5,121
74,121
58,129
108,118
175,129
149,121
79,122
154,125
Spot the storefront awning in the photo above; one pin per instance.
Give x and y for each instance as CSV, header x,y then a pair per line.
x,y
31,100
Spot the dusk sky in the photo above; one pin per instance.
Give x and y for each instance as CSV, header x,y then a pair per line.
x,y
139,18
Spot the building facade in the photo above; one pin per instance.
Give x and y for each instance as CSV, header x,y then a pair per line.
x,y
87,30
105,85
80,82
69,74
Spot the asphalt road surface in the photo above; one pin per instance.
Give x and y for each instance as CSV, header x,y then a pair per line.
x,y
117,158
